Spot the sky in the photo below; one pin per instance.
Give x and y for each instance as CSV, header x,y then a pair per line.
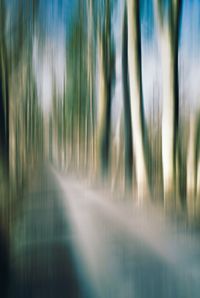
x,y
56,17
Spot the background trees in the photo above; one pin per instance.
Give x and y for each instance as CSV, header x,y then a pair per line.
x,y
77,132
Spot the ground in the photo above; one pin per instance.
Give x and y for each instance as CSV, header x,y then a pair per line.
x,y
70,240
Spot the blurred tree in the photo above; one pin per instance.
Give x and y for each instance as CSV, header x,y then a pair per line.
x,y
169,30
192,165
23,105
4,92
197,166
105,80
89,123
128,153
76,87
139,132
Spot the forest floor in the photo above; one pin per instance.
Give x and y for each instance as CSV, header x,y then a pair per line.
x,y
69,239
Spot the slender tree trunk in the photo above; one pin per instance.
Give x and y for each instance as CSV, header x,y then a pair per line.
x,y
197,205
4,94
102,145
90,124
169,38
104,93
168,117
191,168
136,97
197,164
128,152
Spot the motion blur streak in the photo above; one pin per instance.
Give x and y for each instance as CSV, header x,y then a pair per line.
x,y
99,148
126,252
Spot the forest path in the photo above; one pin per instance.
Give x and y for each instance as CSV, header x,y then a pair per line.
x,y
70,241
41,248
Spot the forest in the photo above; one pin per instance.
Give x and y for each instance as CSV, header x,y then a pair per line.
x,y
105,90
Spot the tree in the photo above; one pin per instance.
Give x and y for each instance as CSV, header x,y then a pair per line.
x,y
4,92
128,154
89,121
169,31
106,75
191,165
139,133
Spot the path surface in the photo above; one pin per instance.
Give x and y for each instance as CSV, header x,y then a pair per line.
x,y
41,246
69,241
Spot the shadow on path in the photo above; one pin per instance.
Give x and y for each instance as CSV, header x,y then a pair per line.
x,y
41,250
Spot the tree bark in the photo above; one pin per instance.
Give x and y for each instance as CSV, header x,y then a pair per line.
x,y
4,94
128,152
136,96
104,93
191,168
169,39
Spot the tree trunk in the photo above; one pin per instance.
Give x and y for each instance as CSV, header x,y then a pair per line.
x,y
191,168
128,152
4,96
169,38
136,96
90,104
104,94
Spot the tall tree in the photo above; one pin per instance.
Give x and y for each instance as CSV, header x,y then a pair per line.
x,y
139,133
128,152
76,106
197,155
169,30
106,74
4,96
191,166
89,123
